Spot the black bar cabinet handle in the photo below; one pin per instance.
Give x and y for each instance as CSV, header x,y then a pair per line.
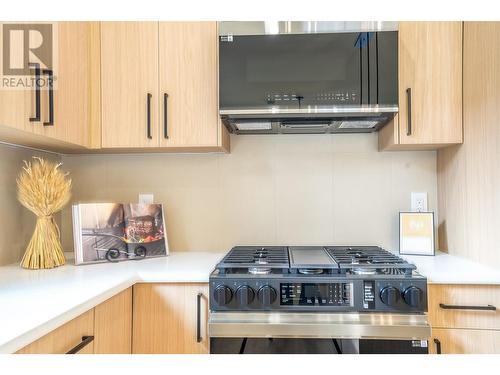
x,y
198,317
85,341
37,92
149,115
462,307
408,98
165,117
50,83
438,346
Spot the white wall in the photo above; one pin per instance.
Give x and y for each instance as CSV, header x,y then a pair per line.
x,y
293,189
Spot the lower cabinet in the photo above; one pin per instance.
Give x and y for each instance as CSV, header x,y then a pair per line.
x,y
464,341
167,318
170,318
105,329
464,319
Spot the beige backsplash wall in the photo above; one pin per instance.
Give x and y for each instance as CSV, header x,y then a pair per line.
x,y
294,189
16,222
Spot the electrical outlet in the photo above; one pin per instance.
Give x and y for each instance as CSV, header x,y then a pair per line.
x,y
418,202
146,198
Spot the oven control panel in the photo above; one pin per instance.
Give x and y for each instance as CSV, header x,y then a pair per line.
x,y
316,294
311,293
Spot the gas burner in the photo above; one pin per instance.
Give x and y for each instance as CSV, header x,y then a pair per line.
x,y
259,270
363,271
310,271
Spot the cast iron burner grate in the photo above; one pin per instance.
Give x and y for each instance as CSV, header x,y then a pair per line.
x,y
255,257
357,259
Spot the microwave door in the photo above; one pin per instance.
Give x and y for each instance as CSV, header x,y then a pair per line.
x,y
304,70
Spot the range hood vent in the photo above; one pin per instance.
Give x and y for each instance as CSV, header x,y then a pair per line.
x,y
334,120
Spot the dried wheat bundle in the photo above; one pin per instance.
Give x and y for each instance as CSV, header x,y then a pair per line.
x,y
43,189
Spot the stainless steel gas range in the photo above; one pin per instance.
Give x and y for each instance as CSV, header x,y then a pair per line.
x,y
317,299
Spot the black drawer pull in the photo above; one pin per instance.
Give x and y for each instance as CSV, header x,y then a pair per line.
x,y
85,341
165,115
50,82
198,317
408,98
149,115
461,307
37,92
438,346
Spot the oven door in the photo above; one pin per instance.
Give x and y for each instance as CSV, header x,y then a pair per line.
x,y
317,333
246,345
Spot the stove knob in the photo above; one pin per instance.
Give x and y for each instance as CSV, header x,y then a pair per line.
x,y
223,295
245,295
267,295
390,295
413,296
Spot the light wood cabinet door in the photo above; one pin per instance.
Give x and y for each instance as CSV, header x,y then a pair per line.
x,y
113,325
129,80
70,117
188,95
17,105
430,88
66,337
165,318
430,65
464,341
15,109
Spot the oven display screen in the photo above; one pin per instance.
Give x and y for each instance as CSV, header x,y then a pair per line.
x,y
315,294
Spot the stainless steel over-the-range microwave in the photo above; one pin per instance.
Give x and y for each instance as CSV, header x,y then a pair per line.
x,y
307,77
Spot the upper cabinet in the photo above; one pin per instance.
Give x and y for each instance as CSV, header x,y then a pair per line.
x,y
117,86
129,83
153,86
159,86
52,111
66,112
189,84
430,88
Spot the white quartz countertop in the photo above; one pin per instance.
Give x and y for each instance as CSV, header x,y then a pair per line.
x,y
443,268
33,303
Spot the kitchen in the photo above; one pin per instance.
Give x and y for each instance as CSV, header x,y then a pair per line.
x,y
278,152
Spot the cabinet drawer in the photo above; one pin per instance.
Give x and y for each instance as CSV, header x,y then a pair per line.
x,y
461,306
65,338
464,341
